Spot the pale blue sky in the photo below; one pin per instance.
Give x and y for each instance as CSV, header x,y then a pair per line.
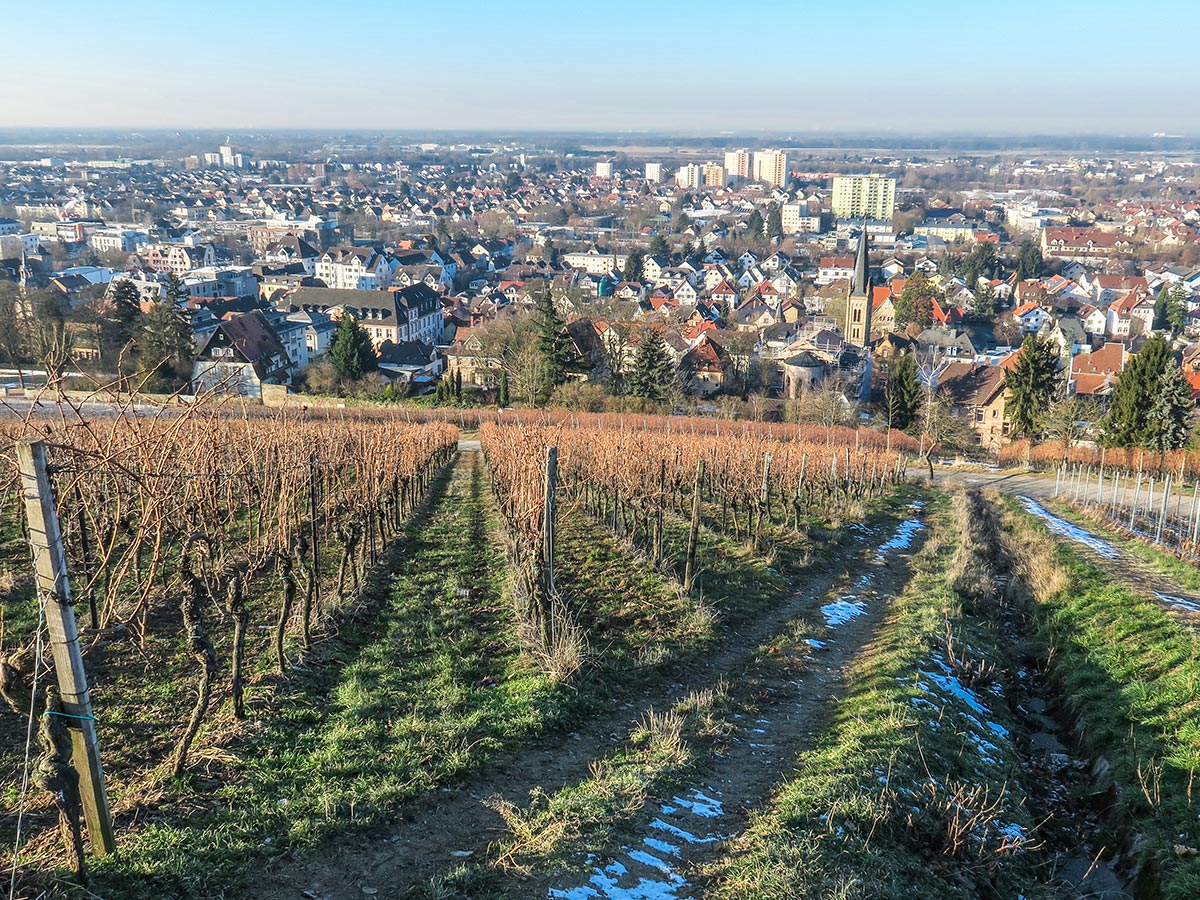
x,y
742,65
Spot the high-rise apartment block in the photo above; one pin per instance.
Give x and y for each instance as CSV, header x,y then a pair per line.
x,y
771,166
604,170
864,197
714,175
689,176
738,164
654,172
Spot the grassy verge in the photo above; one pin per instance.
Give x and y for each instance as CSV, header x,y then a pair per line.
x,y
1129,674
914,789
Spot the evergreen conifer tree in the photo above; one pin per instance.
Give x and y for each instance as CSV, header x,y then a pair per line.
x,y
1031,386
1173,405
351,352
652,370
502,391
1128,421
903,392
553,345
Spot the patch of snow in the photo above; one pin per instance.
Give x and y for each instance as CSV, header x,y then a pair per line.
x,y
661,846
1068,529
815,644
660,825
842,611
649,859
901,540
1012,831
701,804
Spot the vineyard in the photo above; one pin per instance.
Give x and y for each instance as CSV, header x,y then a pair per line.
x,y
346,654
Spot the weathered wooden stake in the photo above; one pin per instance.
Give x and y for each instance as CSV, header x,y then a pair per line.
x,y
689,569
45,536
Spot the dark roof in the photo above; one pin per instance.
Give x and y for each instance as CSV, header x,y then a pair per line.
x,y
254,341
971,384
405,353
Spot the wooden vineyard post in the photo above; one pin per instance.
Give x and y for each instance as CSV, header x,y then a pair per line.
x,y
689,570
1195,511
659,513
546,588
764,496
1137,495
45,537
314,538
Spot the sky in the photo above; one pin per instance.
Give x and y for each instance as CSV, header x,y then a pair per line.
x,y
921,66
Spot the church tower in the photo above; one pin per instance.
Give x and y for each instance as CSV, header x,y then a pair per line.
x,y
858,304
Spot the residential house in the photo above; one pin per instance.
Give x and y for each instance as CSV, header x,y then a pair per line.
x,y
835,268
1130,316
412,362
977,393
241,355
1094,374
353,269
1031,317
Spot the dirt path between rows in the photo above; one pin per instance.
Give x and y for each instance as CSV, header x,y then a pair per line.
x,y
454,824
676,835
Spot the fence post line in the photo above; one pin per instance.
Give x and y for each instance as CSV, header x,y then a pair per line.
x,y
45,536
1137,493
1195,511
1162,513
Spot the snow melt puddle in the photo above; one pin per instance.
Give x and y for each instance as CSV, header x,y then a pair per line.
x,y
1182,602
1068,530
647,872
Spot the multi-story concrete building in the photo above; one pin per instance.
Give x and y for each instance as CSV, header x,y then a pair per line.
x,y
771,166
689,176
604,170
714,175
654,172
738,164
799,219
864,196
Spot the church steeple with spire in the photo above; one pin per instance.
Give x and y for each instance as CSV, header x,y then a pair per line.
x,y
858,304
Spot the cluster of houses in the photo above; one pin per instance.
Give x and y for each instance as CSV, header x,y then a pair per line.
x,y
266,255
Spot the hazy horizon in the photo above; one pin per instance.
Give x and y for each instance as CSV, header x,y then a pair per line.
x,y
702,68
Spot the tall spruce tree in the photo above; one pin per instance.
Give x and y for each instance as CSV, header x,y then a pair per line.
x,y
1173,405
1128,422
554,347
915,303
165,345
351,352
1029,261
903,392
754,225
774,225
634,264
1031,384
652,370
